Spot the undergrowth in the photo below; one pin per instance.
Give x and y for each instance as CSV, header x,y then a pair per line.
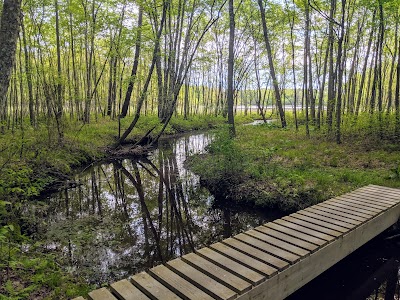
x,y
271,167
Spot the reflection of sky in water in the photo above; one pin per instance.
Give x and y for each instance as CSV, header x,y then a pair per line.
x,y
110,232
119,241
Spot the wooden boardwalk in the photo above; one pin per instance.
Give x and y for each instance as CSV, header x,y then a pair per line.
x,y
271,261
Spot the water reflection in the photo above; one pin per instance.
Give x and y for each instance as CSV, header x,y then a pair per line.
x,y
125,216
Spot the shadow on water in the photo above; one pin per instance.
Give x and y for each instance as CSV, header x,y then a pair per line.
x,y
128,215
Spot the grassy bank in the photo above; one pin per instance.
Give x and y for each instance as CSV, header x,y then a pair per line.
x,y
34,161
279,168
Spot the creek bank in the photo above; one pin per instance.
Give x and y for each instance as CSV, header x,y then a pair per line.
x,y
35,166
273,168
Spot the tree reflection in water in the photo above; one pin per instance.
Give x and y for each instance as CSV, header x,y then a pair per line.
x,y
129,215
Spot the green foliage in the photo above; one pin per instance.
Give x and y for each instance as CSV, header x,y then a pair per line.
x,y
284,169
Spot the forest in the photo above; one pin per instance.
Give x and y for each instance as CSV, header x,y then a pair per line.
x,y
87,80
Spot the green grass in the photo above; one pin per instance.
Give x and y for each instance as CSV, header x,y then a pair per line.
x,y
279,168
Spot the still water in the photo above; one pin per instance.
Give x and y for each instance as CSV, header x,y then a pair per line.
x,y
120,217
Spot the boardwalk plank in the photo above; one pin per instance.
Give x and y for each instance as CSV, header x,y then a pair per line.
x,y
392,191
257,254
378,196
177,284
353,204
101,294
278,252
337,214
201,280
316,230
278,243
244,259
232,266
330,219
219,274
319,223
365,202
127,291
287,238
375,198
292,231
346,209
289,280
152,287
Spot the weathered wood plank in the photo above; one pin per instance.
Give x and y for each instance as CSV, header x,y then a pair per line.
x,y
338,215
244,259
201,280
353,204
381,196
320,223
219,274
365,202
177,284
101,294
315,230
393,191
278,252
277,225
329,219
152,287
232,266
349,208
382,187
297,275
79,298
376,198
257,254
278,243
127,291
287,238
354,212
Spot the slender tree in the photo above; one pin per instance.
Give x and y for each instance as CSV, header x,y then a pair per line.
x,y
231,59
271,66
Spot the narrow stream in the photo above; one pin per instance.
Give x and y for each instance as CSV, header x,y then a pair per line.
x,y
123,217
118,218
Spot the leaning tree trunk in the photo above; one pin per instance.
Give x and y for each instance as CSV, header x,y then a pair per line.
x,y
124,109
9,30
271,66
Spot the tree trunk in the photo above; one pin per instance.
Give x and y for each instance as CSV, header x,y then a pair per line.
x,y
271,66
332,73
28,71
9,30
364,70
128,95
231,120
340,74
149,75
